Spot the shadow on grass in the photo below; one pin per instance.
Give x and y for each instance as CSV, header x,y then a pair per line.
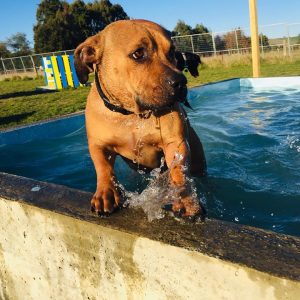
x,y
15,118
24,94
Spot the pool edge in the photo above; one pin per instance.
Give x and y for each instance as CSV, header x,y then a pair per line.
x,y
243,245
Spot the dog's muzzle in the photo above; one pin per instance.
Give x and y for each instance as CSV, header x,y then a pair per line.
x,y
173,89
176,84
177,81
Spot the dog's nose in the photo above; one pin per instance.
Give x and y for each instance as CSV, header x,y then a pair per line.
x,y
177,81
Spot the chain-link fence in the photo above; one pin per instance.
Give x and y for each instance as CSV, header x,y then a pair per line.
x,y
28,63
282,39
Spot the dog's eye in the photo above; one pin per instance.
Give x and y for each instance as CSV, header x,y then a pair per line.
x,y
139,54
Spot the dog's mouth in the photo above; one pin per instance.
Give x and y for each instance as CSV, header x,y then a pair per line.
x,y
161,101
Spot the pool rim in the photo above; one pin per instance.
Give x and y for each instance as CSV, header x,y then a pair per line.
x,y
260,249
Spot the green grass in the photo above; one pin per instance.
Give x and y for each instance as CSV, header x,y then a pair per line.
x,y
21,104
209,74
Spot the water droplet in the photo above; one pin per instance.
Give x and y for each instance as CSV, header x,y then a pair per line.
x,y
36,188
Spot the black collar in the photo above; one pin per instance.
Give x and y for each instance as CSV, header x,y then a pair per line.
x,y
116,108
106,101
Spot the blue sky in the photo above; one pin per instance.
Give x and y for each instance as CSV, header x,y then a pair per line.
x,y
217,15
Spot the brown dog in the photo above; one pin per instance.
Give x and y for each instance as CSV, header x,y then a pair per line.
x,y
133,110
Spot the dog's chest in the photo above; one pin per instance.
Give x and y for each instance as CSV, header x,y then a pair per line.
x,y
140,142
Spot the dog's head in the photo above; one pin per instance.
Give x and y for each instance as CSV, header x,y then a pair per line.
x,y
188,60
136,65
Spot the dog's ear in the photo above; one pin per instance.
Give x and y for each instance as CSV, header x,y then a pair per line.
x,y
85,55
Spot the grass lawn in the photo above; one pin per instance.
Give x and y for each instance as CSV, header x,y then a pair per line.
x,y
21,104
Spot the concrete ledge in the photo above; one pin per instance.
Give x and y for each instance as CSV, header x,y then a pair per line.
x,y
271,83
52,247
258,84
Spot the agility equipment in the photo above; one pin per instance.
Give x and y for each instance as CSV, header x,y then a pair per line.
x,y
59,72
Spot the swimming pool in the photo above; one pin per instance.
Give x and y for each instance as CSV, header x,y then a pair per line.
x,y
250,130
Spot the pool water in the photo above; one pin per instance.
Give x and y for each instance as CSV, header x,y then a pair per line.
x,y
252,143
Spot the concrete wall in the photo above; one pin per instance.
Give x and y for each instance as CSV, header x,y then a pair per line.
x,y
52,247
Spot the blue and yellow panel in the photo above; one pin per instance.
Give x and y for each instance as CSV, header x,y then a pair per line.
x,y
60,72
56,73
74,75
48,71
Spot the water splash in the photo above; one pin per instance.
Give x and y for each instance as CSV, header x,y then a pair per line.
x,y
293,143
158,194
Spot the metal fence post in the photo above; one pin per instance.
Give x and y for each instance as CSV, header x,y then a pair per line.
x,y
23,64
13,65
3,66
237,43
192,44
262,45
288,40
214,43
33,64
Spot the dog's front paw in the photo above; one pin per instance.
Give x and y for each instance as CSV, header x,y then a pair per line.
x,y
188,207
105,201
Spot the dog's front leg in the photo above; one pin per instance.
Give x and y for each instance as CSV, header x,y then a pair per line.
x,y
106,198
178,160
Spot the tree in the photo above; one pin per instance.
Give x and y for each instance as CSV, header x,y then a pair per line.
x,y
220,43
19,44
203,40
79,21
263,40
236,40
243,40
4,52
182,28
50,27
200,28
101,13
63,26
47,9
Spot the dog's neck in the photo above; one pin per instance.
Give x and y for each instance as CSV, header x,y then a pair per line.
x,y
119,109
106,101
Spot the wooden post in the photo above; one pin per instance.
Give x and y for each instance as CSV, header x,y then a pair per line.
x,y
254,38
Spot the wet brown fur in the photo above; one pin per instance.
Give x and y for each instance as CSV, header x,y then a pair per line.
x,y
158,125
